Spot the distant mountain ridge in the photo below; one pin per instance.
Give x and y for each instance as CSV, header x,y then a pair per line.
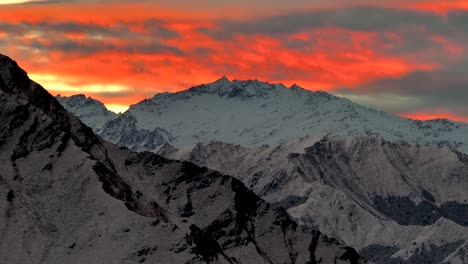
x,y
254,113
395,203
93,112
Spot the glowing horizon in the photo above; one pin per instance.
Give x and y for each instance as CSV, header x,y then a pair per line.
x,y
12,2
402,57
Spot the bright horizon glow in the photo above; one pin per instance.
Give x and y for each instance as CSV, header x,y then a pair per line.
x,y
55,84
118,109
11,2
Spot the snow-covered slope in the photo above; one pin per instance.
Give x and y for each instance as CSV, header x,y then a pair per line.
x,y
92,112
254,113
123,131
395,203
70,197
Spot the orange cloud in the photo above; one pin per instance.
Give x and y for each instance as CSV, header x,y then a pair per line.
x,y
326,64
123,53
106,13
441,7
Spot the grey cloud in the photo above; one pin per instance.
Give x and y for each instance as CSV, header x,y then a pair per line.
x,y
203,51
152,48
415,29
446,88
357,18
458,19
70,46
120,30
99,37
157,26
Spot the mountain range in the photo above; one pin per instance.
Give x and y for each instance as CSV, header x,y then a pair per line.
x,y
254,113
391,187
72,197
394,203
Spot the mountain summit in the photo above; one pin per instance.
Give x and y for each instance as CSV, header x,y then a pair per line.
x,y
362,182
70,197
254,113
93,112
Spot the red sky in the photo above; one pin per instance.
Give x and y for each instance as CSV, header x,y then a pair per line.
x,y
405,57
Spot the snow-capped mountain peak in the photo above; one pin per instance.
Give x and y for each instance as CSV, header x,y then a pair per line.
x,y
234,89
91,111
222,81
71,197
254,113
80,100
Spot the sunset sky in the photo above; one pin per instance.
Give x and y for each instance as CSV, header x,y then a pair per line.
x,y
408,57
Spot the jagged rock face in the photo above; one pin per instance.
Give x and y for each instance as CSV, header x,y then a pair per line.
x,y
123,132
70,197
118,129
253,113
90,111
409,184
354,190
395,203
459,256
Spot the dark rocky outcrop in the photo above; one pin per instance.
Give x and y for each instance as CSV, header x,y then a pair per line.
x,y
96,202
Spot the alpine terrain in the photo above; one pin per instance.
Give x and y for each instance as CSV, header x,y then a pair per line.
x,y
395,203
391,187
71,197
255,113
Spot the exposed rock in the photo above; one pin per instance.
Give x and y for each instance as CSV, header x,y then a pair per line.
x,y
100,203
